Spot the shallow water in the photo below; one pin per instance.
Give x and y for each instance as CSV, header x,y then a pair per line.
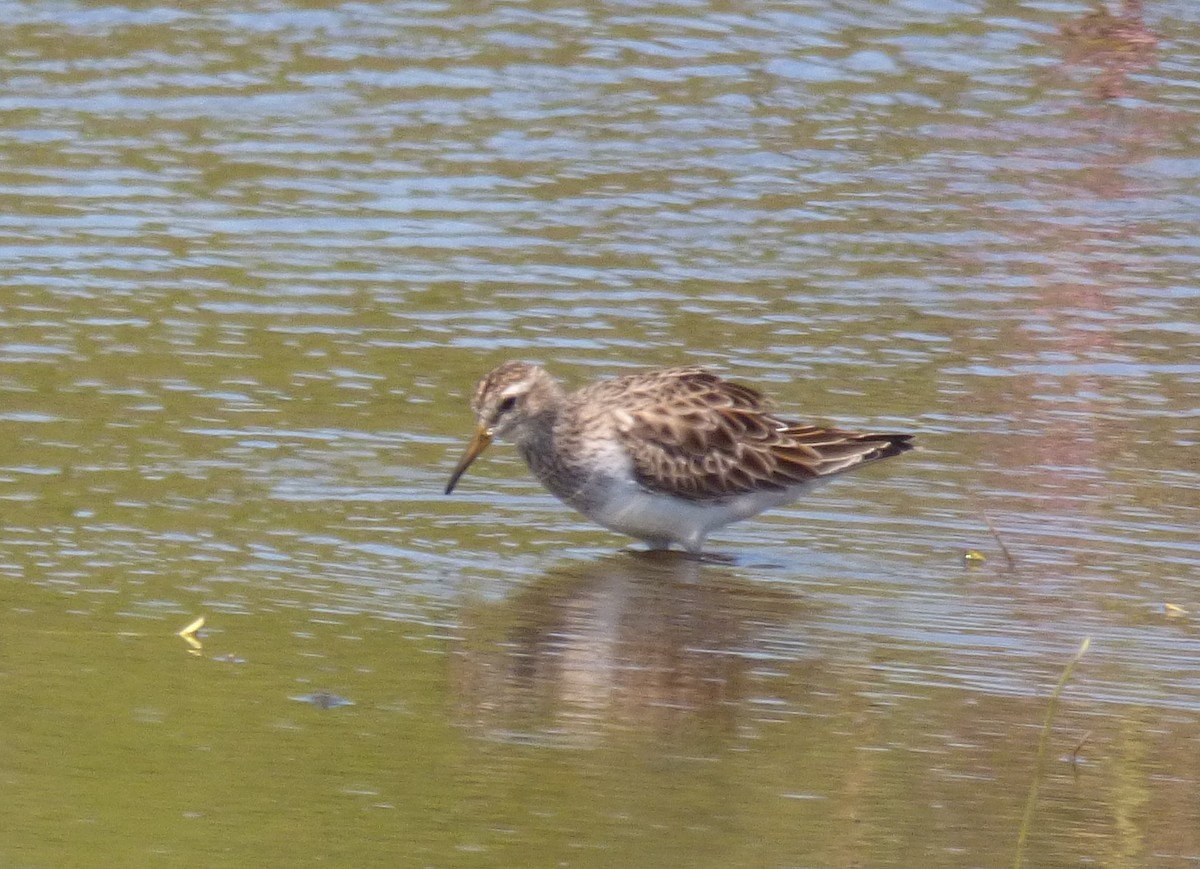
x,y
253,260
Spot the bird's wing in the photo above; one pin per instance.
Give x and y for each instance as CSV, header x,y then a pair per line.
x,y
693,435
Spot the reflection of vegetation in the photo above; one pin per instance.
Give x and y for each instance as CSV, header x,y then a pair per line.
x,y
1116,44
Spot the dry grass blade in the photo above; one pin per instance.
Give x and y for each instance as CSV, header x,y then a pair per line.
x,y
1031,800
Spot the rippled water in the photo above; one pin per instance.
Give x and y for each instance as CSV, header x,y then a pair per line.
x,y
252,259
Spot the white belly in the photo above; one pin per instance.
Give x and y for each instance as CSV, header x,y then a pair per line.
x,y
612,497
660,520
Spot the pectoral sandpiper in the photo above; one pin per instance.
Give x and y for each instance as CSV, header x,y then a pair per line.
x,y
664,456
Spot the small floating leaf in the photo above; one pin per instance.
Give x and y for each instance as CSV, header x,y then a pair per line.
x,y
189,635
1174,611
974,556
191,629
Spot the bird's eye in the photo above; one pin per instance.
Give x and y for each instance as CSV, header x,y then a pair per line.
x,y
508,404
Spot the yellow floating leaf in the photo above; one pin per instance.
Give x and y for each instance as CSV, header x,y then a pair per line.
x,y
974,556
191,629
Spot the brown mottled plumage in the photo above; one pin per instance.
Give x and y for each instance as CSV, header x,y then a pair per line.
x,y
665,456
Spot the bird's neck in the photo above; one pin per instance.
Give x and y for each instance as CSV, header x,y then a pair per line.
x,y
536,434
538,443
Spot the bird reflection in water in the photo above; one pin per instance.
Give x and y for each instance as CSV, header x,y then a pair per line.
x,y
654,641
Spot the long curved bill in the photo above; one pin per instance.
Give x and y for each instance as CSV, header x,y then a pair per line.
x,y
479,443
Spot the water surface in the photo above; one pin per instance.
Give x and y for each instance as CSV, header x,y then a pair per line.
x,y
252,260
